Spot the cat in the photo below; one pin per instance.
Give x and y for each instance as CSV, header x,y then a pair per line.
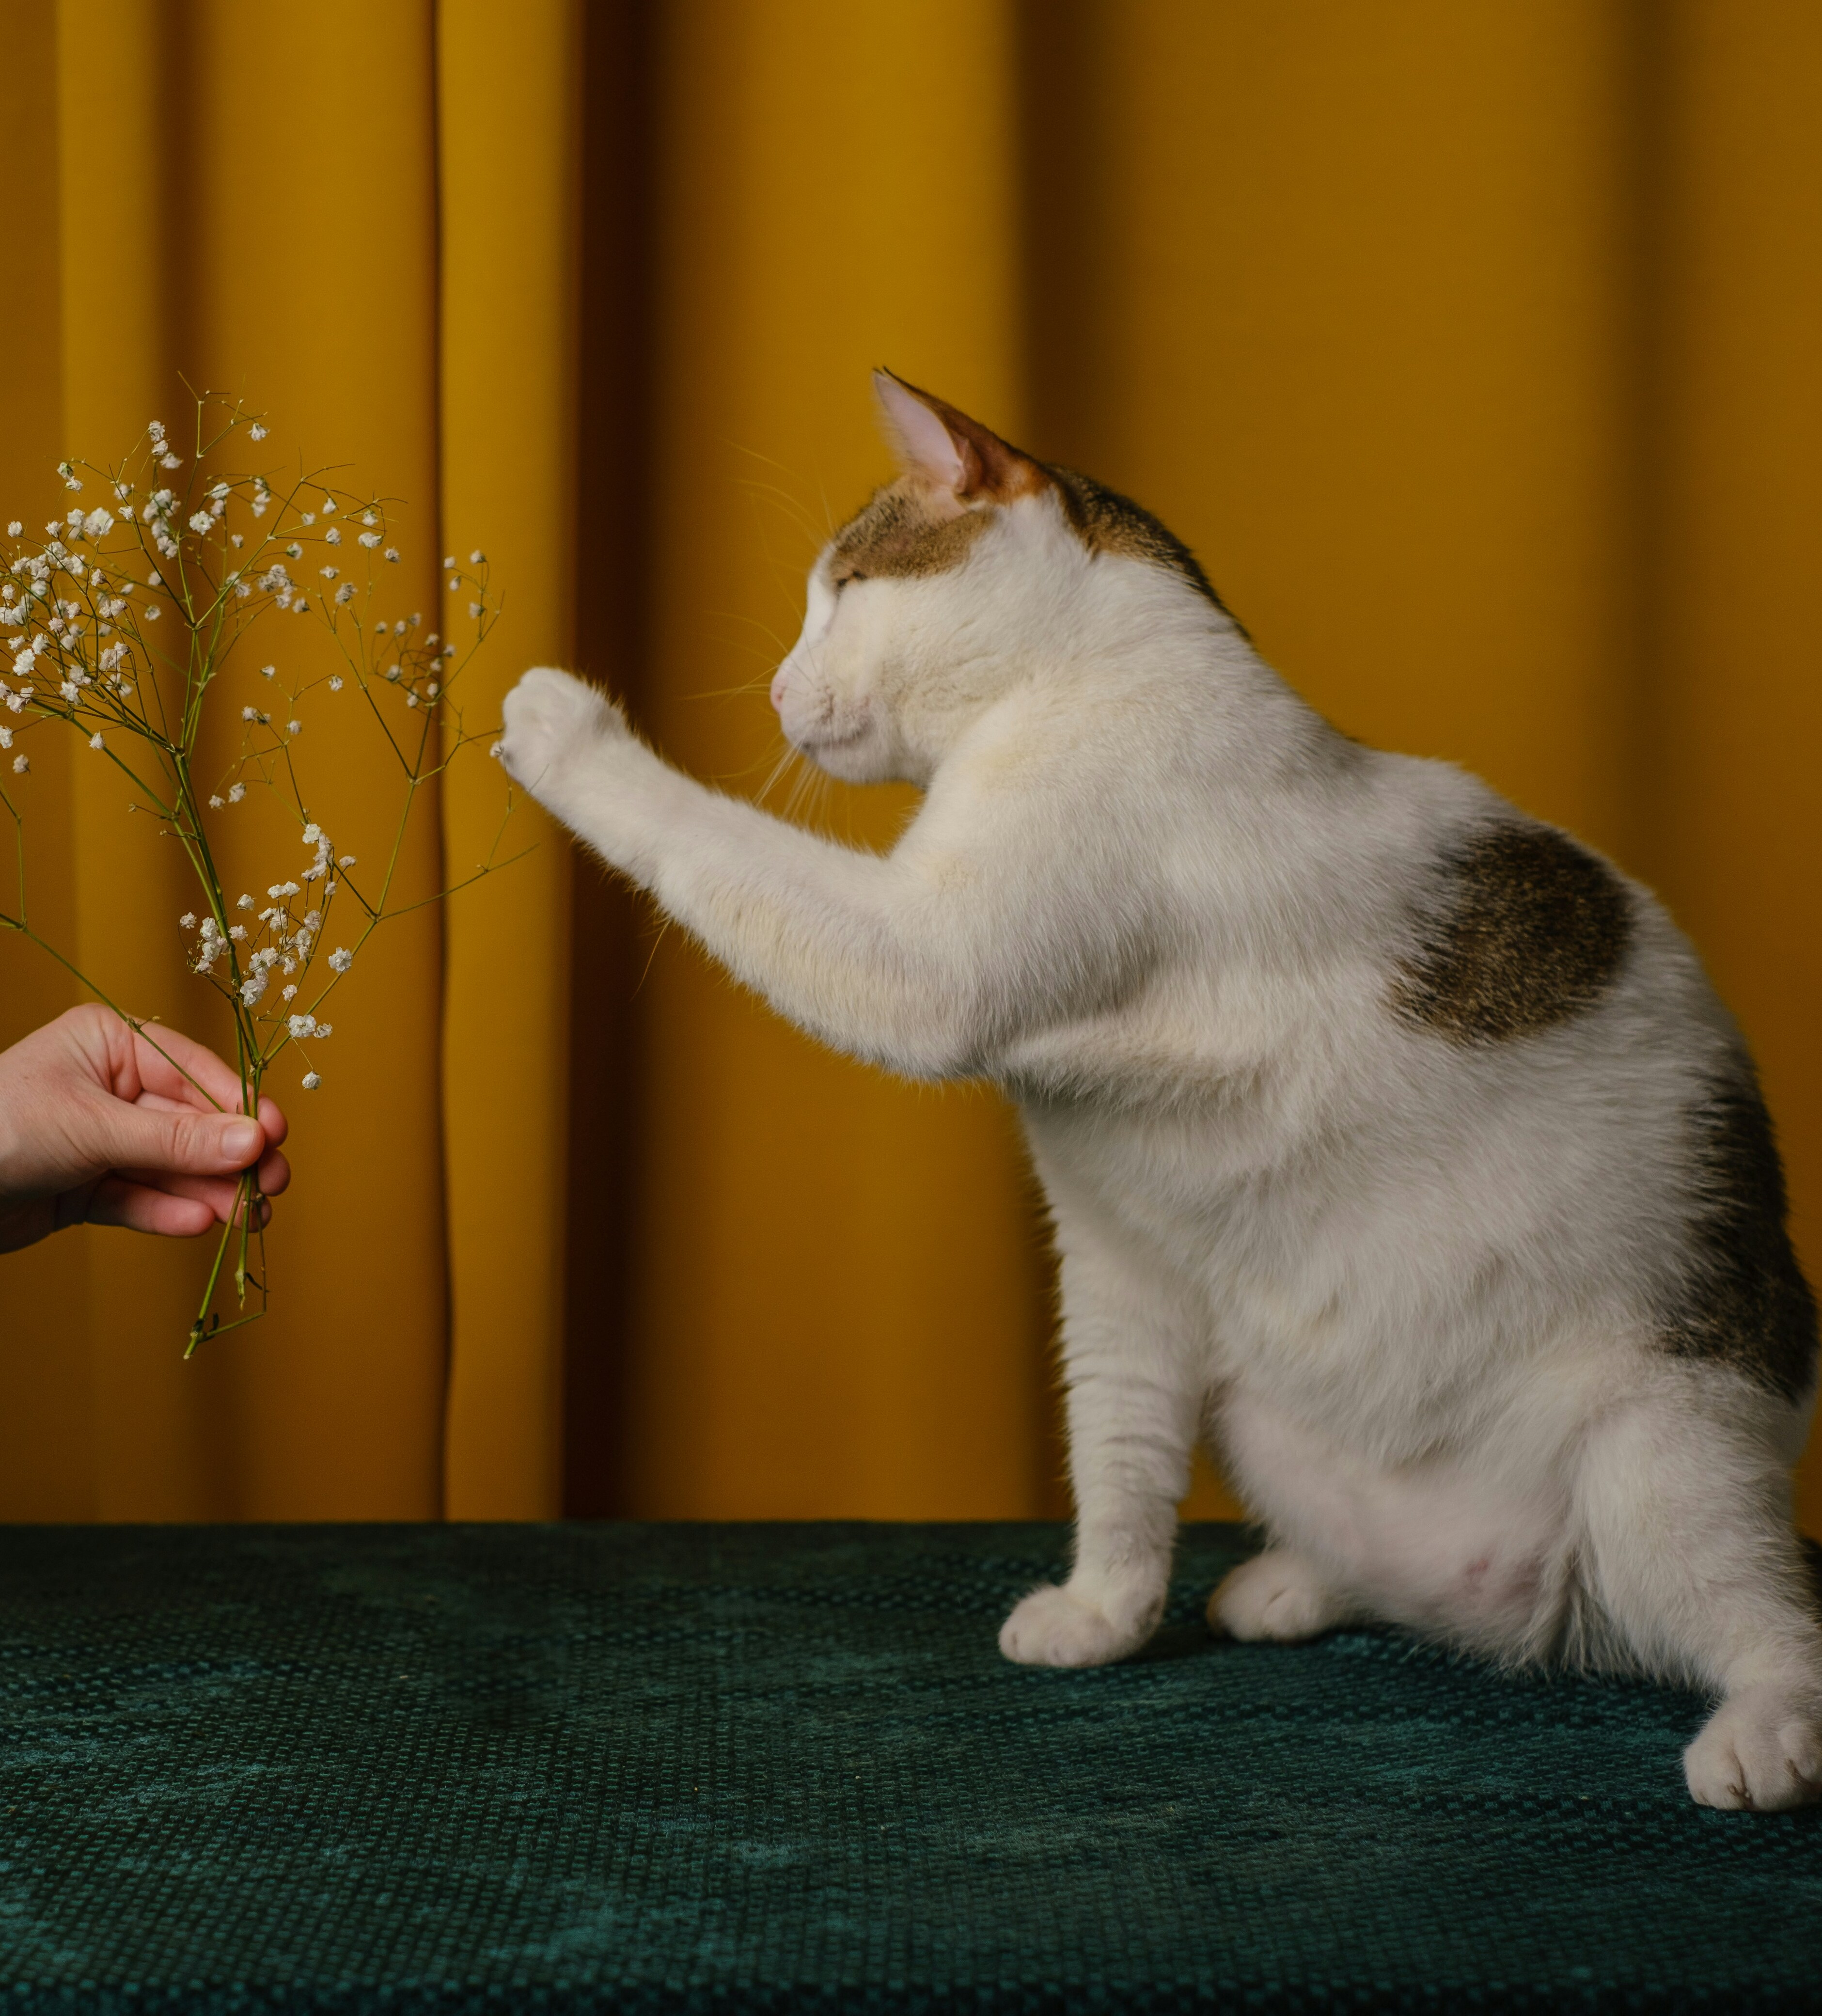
x,y
1394,1143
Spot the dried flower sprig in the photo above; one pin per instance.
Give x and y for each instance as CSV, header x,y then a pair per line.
x,y
124,618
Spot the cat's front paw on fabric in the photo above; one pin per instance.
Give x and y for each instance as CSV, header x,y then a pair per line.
x,y
1761,1750
1277,1596
1053,1627
549,717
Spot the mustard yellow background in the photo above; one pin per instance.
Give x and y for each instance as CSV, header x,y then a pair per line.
x,y
1474,348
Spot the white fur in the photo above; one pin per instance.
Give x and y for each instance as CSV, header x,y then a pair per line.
x,y
1402,1285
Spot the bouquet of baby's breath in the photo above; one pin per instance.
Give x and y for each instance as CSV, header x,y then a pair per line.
x,y
121,623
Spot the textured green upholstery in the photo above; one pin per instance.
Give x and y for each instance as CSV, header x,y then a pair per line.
x,y
784,1768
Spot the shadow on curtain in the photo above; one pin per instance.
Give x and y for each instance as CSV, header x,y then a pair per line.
x,y
1473,350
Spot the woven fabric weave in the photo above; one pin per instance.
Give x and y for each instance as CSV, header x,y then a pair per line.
x,y
778,1768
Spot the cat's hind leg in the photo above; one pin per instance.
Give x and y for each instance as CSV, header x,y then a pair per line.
x,y
1281,1596
1131,1367
1690,1556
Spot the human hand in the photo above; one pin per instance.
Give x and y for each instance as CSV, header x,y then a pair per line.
x,y
96,1126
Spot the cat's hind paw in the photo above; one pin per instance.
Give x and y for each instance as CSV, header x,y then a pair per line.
x,y
549,717
1761,1750
1053,1627
1277,1596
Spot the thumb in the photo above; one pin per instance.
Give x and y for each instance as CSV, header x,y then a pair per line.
x,y
181,1142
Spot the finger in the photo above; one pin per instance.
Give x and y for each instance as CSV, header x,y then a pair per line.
x,y
274,1174
183,1061
181,1141
221,1193
119,1201
271,1119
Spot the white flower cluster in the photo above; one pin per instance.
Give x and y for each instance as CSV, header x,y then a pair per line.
x,y
214,551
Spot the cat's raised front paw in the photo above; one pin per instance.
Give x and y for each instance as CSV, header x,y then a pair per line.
x,y
1278,1596
1053,1627
549,717
1760,1749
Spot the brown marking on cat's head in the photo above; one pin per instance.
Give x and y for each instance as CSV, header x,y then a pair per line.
x,y
1531,929
1743,1302
955,471
902,532
1107,523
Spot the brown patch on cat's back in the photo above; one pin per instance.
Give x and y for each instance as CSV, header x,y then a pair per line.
x,y
1107,523
901,532
1531,930
1743,1302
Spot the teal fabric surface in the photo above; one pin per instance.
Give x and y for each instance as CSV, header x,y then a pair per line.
x,y
783,1768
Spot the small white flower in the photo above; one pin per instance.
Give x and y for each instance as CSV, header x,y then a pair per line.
x,y
391,553
188,920
250,714
171,461
335,682
252,988
238,932
368,518
288,993
312,834
95,742
21,764
475,609
369,540
347,861
311,1081
341,960
309,517
98,523
329,507
152,612
243,902
294,727
435,689
329,573
200,521
216,802
344,594
14,528
302,1025
235,794
332,536
448,559
477,558
324,1032
268,671
256,432
410,699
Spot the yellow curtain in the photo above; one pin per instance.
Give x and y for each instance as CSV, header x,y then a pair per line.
x,y
1473,348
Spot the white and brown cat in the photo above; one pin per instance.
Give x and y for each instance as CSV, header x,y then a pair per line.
x,y
1396,1143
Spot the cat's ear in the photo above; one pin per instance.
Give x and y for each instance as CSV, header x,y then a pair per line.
x,y
949,451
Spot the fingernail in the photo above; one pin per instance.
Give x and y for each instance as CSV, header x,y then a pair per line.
x,y
240,1140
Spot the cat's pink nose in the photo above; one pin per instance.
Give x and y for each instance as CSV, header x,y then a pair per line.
x,y
778,691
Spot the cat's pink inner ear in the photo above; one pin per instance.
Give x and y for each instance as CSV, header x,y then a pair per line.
x,y
925,446
953,453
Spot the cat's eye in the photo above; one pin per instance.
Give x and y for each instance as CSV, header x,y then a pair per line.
x,y
842,581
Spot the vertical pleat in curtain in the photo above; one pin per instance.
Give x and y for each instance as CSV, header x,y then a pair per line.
x,y
1473,348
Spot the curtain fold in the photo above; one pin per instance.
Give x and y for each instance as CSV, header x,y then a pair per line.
x,y
1473,350
509,113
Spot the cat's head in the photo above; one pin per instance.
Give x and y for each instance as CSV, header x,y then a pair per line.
x,y
977,567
